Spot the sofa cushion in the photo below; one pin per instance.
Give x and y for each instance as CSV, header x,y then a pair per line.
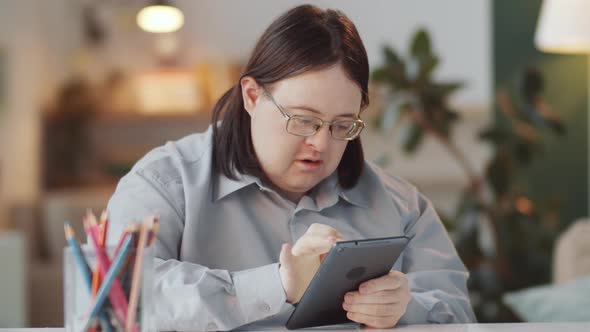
x,y
567,302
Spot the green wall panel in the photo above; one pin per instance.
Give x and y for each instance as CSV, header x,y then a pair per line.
x,y
562,171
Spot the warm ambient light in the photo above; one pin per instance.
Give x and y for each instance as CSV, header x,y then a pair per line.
x,y
160,17
564,26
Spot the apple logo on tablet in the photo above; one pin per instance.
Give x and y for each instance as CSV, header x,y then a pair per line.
x,y
355,273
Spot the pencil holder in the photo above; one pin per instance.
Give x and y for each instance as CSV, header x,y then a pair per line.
x,y
114,295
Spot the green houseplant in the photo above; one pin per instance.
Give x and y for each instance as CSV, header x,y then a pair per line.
x,y
496,200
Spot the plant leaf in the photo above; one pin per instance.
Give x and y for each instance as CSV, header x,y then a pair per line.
x,y
427,65
391,57
412,138
500,172
494,135
377,122
442,90
421,44
380,75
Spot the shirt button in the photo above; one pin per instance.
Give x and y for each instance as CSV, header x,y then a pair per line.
x,y
264,307
211,326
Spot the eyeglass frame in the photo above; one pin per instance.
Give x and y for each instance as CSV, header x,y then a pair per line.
x,y
323,123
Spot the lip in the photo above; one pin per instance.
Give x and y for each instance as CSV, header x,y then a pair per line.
x,y
309,166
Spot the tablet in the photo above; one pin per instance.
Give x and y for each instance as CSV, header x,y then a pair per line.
x,y
347,265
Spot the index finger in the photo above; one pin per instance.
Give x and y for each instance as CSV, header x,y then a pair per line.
x,y
323,230
318,239
313,245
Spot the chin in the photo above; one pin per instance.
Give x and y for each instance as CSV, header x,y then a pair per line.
x,y
303,188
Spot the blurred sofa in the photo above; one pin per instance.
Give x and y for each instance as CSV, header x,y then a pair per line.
x,y
571,259
42,226
566,298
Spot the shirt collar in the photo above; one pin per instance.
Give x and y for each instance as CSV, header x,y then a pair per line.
x,y
361,193
226,186
326,193
355,197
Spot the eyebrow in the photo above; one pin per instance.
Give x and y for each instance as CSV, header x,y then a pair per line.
x,y
313,110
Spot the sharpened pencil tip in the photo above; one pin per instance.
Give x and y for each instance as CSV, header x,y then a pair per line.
x,y
68,230
103,216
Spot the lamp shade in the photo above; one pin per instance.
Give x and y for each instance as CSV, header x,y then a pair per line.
x,y
160,17
564,26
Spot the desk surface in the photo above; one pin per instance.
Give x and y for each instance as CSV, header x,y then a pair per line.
x,y
518,327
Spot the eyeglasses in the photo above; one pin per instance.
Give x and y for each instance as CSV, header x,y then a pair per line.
x,y
302,125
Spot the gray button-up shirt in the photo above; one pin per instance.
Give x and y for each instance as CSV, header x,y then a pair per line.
x,y
217,250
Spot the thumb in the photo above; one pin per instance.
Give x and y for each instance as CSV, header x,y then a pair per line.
x,y
285,257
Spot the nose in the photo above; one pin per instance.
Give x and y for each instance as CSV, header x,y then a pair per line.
x,y
320,140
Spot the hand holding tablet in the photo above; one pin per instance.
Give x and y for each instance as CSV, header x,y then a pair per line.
x,y
347,265
379,303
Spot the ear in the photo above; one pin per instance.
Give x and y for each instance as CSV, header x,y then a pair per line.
x,y
251,93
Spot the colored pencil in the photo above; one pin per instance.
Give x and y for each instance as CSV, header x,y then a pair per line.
x,y
136,279
84,268
104,221
131,228
102,241
154,231
109,281
116,294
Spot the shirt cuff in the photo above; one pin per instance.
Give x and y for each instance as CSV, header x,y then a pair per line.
x,y
426,309
260,291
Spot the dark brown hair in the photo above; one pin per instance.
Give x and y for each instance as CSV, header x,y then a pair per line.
x,y
303,39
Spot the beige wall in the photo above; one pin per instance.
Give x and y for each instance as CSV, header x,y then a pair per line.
x,y
38,42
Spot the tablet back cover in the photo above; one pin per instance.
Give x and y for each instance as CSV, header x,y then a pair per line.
x,y
347,265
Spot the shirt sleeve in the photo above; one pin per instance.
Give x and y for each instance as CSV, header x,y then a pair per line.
x,y
190,296
436,274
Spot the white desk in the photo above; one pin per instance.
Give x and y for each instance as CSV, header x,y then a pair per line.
x,y
512,327
519,327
